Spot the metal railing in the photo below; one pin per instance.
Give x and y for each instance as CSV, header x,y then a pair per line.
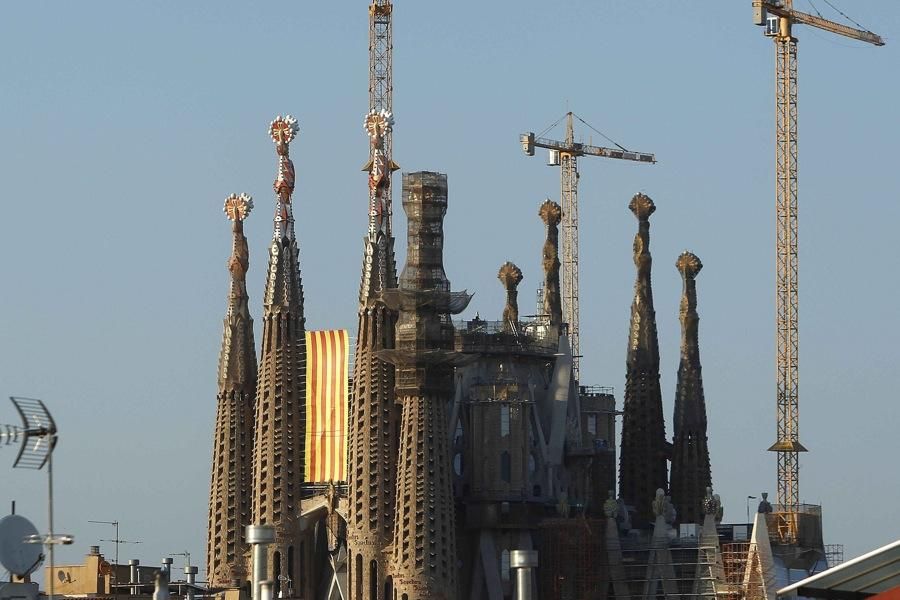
x,y
596,390
525,335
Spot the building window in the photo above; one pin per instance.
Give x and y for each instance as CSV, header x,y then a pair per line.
x,y
290,564
504,565
504,420
277,571
457,464
592,424
505,467
358,574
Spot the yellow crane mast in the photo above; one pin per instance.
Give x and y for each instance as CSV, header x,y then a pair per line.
x,y
564,154
778,17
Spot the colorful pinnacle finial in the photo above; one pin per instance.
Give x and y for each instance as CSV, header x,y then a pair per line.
x,y
283,129
238,207
378,123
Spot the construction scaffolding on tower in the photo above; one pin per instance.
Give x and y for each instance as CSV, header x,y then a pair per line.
x,y
577,563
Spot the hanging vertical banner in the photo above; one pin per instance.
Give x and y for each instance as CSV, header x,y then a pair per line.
x,y
327,363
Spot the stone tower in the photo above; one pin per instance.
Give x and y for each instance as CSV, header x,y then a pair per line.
x,y
278,454
423,564
551,215
642,469
510,276
690,455
229,490
374,414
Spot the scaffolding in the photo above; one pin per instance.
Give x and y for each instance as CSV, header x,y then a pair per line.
x,y
745,574
496,337
580,561
834,555
573,566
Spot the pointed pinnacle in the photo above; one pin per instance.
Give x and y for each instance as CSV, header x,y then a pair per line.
x,y
642,206
688,264
550,212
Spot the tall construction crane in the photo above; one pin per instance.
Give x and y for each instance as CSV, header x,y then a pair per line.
x,y
564,154
779,17
381,80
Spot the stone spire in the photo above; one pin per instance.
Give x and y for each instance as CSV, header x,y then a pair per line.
x,y
690,455
279,461
510,276
551,214
229,490
642,468
423,562
374,413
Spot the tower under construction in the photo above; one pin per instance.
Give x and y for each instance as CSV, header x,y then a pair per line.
x,y
374,413
690,454
279,440
644,450
423,562
229,491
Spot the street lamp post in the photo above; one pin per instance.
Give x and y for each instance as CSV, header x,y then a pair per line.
x,y
749,498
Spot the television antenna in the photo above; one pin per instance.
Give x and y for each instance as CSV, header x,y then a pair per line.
x,y
37,439
117,541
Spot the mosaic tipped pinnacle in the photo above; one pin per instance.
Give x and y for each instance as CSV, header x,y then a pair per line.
x,y
238,207
283,129
378,122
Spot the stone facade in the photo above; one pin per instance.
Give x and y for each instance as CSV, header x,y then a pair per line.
x,y
229,491
374,413
690,476
278,464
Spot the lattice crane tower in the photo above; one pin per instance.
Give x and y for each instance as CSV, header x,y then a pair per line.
x,y
778,17
381,78
564,154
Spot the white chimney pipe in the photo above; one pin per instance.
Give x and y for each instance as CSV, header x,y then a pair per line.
x,y
190,575
134,576
265,589
259,537
523,561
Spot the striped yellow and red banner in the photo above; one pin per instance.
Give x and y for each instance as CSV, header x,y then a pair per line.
x,y
327,363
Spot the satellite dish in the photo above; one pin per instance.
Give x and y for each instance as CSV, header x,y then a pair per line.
x,y
17,556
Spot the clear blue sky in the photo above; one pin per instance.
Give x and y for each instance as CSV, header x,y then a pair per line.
x,y
124,125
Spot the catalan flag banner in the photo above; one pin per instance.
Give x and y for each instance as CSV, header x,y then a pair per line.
x,y
327,363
